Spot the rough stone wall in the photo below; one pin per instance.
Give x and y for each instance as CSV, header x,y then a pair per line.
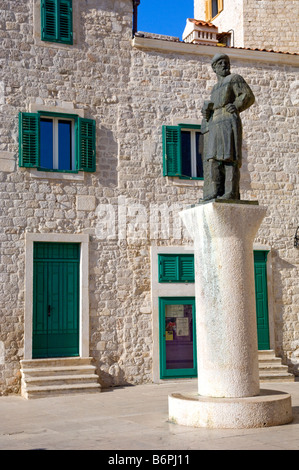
x,y
92,76
131,94
271,25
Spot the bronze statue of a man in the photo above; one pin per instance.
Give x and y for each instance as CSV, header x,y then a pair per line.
x,y
222,129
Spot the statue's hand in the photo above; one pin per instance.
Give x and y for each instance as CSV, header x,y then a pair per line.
x,y
231,108
206,113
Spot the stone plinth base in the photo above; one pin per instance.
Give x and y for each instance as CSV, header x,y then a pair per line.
x,y
269,408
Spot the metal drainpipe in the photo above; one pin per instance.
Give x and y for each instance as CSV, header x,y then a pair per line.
x,y
233,35
136,3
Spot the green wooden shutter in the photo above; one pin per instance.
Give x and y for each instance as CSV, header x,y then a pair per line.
x,y
87,145
176,268
186,268
49,20
172,165
57,21
168,268
65,22
28,140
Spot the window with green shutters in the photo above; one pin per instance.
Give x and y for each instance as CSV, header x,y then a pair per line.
x,y
176,268
57,21
182,151
57,142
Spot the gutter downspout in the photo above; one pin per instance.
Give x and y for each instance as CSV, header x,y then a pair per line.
x,y
136,3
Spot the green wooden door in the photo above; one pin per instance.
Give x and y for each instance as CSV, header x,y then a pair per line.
x,y
261,298
55,300
177,337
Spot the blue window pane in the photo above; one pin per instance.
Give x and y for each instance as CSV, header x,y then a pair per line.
x,y
199,165
186,153
46,143
64,145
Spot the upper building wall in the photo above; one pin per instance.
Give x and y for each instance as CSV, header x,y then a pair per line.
x,y
230,17
261,24
271,24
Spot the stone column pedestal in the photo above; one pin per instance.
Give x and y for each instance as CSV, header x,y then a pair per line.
x,y
226,330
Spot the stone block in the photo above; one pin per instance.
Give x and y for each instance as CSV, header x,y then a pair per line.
x,y
85,203
7,162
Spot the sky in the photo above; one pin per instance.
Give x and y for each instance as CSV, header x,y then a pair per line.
x,y
164,16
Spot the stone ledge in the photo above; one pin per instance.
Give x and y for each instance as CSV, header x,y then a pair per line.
x,y
197,49
227,201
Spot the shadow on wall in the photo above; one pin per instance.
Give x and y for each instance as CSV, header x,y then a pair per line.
x,y
107,158
115,377
283,304
245,178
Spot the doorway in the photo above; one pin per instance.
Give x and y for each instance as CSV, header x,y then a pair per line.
x,y
177,337
261,299
56,274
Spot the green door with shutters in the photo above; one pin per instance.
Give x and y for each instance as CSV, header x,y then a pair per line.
x,y
55,300
261,298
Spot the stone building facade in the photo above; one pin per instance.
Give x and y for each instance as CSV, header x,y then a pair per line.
x,y
123,213
261,24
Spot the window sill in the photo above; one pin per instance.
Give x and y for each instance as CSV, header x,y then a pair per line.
x,y
34,173
176,282
64,43
176,181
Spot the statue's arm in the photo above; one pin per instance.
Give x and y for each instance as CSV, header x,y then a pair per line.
x,y
244,97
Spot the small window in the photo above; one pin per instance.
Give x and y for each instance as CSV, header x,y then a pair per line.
x,y
182,151
54,142
57,21
57,144
176,268
213,8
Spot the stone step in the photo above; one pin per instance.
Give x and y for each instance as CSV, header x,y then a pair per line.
x,y
276,361
61,379
46,391
66,361
48,377
271,368
275,366
267,354
281,377
61,370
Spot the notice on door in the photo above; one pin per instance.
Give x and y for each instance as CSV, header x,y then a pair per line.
x,y
182,326
169,335
176,310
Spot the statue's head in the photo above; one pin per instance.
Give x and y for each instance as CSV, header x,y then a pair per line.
x,y
221,64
